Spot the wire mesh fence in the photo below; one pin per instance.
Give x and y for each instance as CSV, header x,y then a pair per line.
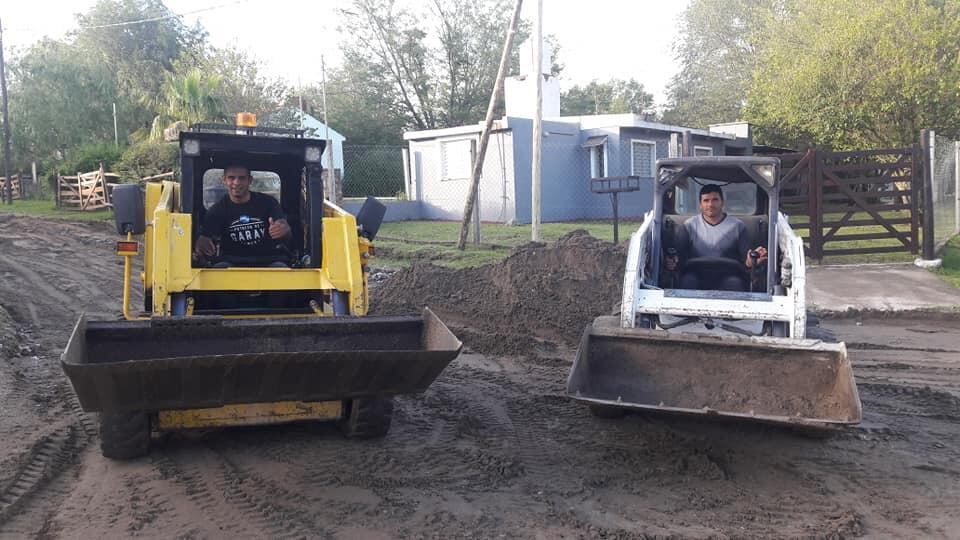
x,y
373,170
946,204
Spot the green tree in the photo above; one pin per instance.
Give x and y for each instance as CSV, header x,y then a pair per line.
x,y
58,99
431,68
871,80
147,159
243,86
361,106
190,97
138,40
718,52
614,96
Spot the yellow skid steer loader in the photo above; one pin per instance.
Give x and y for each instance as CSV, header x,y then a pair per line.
x,y
242,340
741,354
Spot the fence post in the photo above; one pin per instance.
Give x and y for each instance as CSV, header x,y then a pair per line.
x,y
916,179
816,211
36,181
956,187
477,200
926,142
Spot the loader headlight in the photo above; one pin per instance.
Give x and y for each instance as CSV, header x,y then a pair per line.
x,y
191,147
312,154
766,172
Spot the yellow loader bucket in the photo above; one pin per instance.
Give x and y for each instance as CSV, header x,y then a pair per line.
x,y
778,380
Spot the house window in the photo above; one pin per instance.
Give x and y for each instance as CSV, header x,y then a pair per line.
x,y
597,148
643,158
598,161
455,160
702,151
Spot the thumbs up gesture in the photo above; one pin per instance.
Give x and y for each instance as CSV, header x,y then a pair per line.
x,y
279,228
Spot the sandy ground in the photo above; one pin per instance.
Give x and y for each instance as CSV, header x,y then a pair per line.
x,y
494,449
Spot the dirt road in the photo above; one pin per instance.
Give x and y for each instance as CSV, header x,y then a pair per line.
x,y
493,449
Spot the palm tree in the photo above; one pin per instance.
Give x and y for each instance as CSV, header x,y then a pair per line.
x,y
190,98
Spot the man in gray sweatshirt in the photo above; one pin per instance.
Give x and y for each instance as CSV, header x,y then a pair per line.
x,y
715,234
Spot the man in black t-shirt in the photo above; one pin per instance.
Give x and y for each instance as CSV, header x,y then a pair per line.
x,y
246,223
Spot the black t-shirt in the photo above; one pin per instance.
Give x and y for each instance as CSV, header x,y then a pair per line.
x,y
244,229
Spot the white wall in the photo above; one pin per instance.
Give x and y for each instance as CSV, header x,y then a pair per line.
x,y
520,95
443,190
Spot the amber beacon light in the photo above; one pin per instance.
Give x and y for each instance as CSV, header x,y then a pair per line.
x,y
246,119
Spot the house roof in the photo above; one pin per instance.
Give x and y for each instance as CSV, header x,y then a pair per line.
x,y
319,129
498,125
632,120
595,121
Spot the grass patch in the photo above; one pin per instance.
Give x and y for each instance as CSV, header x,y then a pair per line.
x,y
401,243
950,271
47,209
860,258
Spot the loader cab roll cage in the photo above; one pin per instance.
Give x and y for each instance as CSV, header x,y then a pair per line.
x,y
676,174
286,153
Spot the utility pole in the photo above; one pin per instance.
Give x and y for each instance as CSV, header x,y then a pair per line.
x,y
8,192
487,126
326,134
116,138
300,100
537,126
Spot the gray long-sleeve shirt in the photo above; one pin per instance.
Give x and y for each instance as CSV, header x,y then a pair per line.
x,y
728,238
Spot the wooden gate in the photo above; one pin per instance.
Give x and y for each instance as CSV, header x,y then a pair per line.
x,y
860,202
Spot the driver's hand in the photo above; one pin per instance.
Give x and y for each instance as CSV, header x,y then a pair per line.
x,y
279,229
671,262
761,251
205,247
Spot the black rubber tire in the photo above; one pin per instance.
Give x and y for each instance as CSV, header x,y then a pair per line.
x,y
124,435
607,411
366,418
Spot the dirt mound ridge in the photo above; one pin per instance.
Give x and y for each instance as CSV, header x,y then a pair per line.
x,y
545,290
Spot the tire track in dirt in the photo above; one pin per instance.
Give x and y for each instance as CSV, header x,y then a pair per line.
x,y
211,507
231,498
280,511
47,458
53,453
37,283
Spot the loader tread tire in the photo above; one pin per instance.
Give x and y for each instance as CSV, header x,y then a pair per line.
x,y
367,418
124,435
607,411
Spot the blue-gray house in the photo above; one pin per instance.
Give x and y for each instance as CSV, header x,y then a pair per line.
x,y
574,150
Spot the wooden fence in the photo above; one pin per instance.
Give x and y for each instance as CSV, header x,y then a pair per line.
x,y
85,191
16,186
850,197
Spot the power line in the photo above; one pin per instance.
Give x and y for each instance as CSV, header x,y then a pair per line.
x,y
24,29
165,17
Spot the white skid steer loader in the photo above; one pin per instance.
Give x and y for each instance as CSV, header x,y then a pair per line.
x,y
742,354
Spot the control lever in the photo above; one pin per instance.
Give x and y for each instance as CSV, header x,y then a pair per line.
x,y
754,257
672,274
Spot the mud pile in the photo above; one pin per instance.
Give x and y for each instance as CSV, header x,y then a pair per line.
x,y
550,291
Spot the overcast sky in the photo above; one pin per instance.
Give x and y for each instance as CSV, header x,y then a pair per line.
x,y
599,39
